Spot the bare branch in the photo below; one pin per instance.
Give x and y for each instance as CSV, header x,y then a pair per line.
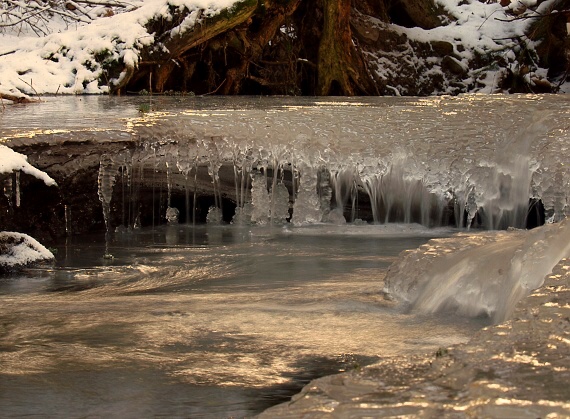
x,y
23,18
16,99
535,16
35,15
106,3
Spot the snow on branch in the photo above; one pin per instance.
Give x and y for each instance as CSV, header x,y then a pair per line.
x,y
11,161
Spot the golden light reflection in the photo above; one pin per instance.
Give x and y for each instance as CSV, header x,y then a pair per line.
x,y
496,386
560,339
516,402
33,133
147,119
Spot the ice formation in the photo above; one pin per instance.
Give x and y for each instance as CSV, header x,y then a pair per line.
x,y
485,273
17,249
433,161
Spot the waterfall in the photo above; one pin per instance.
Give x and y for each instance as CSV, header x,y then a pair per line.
x,y
336,172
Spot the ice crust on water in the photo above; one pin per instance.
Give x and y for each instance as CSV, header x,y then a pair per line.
x,y
413,160
516,369
474,274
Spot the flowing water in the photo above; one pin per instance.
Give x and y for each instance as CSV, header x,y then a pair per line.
x,y
208,321
220,320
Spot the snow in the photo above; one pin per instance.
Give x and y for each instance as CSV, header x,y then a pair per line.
x,y
18,249
73,60
11,161
478,29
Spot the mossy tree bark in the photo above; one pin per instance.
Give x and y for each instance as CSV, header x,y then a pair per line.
x,y
341,70
171,44
261,47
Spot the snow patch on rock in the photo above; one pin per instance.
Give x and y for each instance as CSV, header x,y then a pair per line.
x,y
18,249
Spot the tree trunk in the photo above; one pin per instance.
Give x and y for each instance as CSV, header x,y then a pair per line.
x,y
341,71
171,43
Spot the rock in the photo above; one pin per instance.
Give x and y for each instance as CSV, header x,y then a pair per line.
x,y
365,31
442,48
453,65
18,250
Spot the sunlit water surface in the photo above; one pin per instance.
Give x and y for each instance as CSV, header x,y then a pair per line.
x,y
227,321
206,321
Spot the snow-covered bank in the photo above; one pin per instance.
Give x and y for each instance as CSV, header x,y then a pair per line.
x,y
477,45
18,249
76,60
477,48
518,368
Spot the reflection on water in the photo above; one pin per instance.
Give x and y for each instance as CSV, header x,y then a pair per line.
x,y
212,322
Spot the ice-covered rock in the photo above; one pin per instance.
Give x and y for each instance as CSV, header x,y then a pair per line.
x,y
484,273
516,369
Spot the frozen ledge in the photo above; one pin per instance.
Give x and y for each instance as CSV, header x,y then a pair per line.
x,y
518,368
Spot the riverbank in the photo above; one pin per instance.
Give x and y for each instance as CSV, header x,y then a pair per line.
x,y
518,368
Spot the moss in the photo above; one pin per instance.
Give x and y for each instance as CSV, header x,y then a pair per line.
x,y
238,8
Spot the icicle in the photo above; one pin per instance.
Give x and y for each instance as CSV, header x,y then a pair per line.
x,y
106,180
214,165
108,170
372,188
354,201
260,200
242,164
273,198
306,209
279,204
194,198
325,192
154,170
343,183
8,190
168,184
67,214
17,188
123,209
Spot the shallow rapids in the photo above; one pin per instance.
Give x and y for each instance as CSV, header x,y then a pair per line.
x,y
206,321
